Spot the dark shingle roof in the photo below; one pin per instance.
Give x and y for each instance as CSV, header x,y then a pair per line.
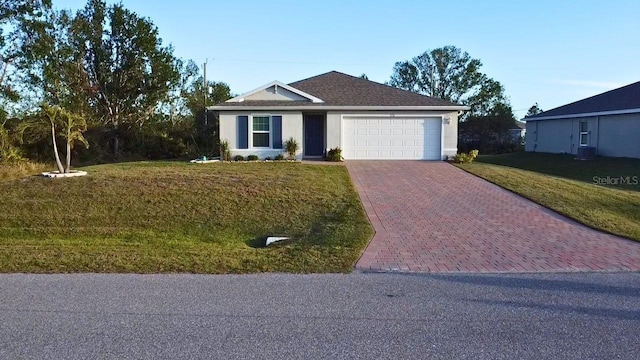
x,y
624,98
340,89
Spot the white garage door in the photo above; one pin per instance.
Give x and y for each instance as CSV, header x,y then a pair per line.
x,y
391,138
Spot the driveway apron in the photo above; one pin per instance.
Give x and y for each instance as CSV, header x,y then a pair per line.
x,y
434,217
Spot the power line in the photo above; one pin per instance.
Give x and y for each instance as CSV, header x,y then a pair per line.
x,y
296,62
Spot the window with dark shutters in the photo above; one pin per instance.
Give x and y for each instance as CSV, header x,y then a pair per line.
x,y
243,131
277,131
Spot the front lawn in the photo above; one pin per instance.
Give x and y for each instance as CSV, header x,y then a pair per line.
x,y
569,187
152,217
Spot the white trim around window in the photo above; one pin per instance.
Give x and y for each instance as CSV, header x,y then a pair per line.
x,y
269,131
584,133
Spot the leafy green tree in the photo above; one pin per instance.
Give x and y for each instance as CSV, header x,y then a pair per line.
x,y
184,111
449,73
9,149
18,18
194,96
534,110
175,107
53,65
206,124
130,73
490,132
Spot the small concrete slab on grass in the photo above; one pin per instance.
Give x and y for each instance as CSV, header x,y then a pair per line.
x,y
58,174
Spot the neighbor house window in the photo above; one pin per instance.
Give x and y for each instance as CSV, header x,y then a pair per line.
x,y
584,133
261,129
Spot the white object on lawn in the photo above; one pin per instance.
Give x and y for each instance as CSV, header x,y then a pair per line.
x,y
58,174
273,239
200,161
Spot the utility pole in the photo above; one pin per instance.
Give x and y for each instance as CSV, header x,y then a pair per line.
x,y
432,80
204,91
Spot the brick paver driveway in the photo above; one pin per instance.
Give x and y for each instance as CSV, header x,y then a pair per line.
x,y
434,217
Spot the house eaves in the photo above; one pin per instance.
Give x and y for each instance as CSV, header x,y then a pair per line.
x,y
623,100
337,108
583,115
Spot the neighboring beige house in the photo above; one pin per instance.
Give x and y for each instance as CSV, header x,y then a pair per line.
x,y
519,131
367,120
607,124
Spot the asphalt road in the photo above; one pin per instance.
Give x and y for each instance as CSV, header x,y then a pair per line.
x,y
357,316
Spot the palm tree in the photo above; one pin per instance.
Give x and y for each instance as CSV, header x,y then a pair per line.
x,y
71,125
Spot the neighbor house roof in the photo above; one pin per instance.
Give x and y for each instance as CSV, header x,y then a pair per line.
x,y
340,91
623,100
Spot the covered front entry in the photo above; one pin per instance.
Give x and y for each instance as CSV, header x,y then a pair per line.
x,y
314,135
392,138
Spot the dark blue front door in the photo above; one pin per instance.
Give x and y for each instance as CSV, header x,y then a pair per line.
x,y
313,135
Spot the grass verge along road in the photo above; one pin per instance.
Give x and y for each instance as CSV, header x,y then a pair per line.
x,y
150,217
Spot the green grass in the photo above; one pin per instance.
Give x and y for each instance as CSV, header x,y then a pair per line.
x,y
567,186
565,166
150,217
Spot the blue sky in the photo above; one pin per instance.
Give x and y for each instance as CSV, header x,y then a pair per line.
x,y
550,52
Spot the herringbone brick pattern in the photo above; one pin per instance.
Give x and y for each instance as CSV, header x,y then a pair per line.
x,y
434,217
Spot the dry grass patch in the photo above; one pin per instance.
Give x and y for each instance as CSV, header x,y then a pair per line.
x,y
21,169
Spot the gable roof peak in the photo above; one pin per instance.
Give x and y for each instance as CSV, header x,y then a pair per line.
x,y
241,98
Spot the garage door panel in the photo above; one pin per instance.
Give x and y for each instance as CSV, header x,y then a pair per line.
x,y
392,138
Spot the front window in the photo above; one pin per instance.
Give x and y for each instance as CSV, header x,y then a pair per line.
x,y
584,133
261,129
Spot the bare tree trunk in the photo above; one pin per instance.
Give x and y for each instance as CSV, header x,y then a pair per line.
x,y
55,149
68,169
116,146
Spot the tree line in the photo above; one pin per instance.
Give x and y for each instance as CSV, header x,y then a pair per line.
x,y
451,74
106,67
118,91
